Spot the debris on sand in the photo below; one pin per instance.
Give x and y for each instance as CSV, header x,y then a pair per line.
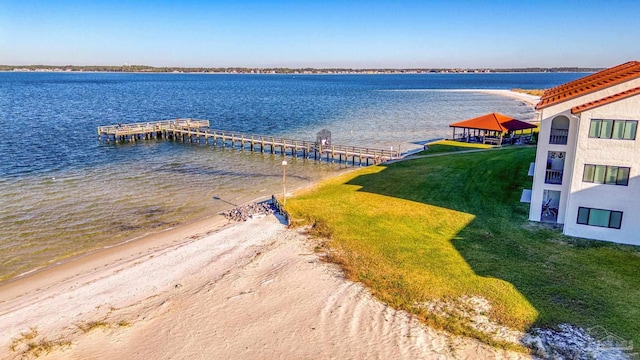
x,y
249,211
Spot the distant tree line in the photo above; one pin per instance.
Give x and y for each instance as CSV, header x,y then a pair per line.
x,y
243,70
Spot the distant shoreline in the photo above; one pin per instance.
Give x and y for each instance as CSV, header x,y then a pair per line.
x,y
289,74
286,71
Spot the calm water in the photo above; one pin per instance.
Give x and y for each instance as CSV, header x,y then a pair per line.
x,y
62,192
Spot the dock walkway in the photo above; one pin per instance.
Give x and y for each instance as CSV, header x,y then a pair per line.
x,y
198,131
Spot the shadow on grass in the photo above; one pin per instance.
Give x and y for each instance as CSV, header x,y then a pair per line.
x,y
561,279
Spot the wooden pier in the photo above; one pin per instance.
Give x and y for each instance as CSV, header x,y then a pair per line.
x,y
198,131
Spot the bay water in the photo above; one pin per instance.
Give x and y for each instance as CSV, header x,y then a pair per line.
x,y
62,192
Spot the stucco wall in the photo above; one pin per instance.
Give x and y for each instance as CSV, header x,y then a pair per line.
x,y
546,116
541,165
610,197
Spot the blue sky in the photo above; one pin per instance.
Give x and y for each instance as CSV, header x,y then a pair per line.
x,y
350,33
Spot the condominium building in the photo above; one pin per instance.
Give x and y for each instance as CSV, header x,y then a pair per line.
x,y
586,173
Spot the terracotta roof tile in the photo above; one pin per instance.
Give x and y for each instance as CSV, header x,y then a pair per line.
x,y
588,84
493,122
606,100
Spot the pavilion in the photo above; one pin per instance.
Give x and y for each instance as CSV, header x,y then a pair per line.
x,y
489,128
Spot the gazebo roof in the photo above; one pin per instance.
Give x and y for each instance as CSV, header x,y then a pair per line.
x,y
493,122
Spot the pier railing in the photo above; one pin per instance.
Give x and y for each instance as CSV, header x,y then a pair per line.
x,y
196,130
146,127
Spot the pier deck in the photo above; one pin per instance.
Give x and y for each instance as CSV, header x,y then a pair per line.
x,y
194,130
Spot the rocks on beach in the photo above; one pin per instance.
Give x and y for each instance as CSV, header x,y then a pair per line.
x,y
249,211
569,342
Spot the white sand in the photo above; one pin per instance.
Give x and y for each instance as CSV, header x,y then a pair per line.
x,y
254,290
531,100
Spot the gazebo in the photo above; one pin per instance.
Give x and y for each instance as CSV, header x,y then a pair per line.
x,y
489,128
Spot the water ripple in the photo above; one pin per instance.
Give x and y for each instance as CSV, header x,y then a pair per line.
x,y
63,192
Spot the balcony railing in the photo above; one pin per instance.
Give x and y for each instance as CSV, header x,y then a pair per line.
x,y
553,177
559,136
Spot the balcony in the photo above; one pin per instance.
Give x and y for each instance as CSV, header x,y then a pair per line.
x,y
559,136
553,177
559,130
555,167
550,204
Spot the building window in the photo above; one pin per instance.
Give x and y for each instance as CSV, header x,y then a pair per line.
x,y
603,174
613,129
598,217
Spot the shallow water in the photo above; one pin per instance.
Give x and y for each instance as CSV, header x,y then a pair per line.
x,y
62,192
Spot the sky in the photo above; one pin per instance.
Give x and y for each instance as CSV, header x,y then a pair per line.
x,y
321,34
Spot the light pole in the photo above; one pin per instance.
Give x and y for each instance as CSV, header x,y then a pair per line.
x,y
284,182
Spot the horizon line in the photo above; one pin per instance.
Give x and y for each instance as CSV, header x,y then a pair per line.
x,y
128,66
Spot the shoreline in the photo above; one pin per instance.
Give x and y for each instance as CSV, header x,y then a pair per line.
x,y
123,284
266,71
252,289
530,100
148,236
69,268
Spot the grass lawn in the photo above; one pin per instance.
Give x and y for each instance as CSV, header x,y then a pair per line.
x,y
440,228
446,146
534,92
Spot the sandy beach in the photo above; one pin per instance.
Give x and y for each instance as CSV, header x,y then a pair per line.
x,y
213,289
530,100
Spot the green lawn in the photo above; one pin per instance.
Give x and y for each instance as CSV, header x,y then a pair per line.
x,y
446,146
448,226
